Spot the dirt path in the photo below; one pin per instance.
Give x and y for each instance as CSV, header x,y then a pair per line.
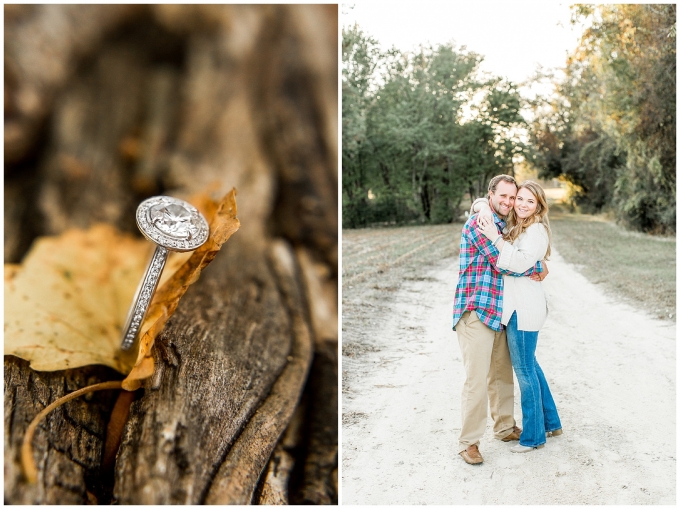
x,y
611,370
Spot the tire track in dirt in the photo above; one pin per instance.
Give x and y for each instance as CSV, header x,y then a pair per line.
x,y
361,276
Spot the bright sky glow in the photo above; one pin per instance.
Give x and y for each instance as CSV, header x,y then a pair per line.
x,y
513,36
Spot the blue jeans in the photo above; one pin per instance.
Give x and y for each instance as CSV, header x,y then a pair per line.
x,y
539,413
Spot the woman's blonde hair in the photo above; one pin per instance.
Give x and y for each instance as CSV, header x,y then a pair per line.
x,y
517,226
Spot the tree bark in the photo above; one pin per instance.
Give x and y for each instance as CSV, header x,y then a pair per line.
x,y
133,101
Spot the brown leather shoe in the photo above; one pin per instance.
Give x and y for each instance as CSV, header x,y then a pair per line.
x,y
516,432
471,455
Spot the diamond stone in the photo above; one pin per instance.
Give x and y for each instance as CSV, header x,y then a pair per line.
x,y
173,219
172,223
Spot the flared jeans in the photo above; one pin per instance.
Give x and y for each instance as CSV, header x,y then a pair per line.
x,y
539,413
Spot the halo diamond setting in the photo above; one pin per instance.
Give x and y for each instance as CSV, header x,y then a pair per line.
x,y
173,225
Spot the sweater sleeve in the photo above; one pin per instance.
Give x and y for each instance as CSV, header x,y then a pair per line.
x,y
524,255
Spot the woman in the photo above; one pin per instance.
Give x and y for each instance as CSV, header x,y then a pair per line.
x,y
525,241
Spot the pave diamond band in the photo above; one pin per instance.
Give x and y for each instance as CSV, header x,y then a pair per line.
x,y
174,225
142,299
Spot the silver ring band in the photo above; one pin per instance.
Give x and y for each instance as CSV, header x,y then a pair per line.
x,y
173,225
142,299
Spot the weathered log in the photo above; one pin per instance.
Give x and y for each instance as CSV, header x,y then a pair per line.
x,y
320,478
318,482
274,488
232,380
144,100
68,443
43,46
237,477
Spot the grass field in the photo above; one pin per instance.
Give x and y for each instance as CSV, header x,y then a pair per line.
x,y
636,267
375,261
371,252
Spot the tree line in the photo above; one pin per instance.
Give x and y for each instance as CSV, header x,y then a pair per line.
x,y
423,129
409,151
610,130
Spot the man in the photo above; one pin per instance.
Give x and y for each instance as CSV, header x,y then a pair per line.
x,y
477,309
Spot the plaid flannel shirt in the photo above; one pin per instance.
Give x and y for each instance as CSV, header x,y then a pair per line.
x,y
480,281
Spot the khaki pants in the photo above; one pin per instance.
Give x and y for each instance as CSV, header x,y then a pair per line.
x,y
487,368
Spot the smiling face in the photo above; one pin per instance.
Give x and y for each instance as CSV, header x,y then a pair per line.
x,y
525,203
503,198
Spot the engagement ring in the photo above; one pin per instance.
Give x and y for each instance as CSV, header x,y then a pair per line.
x,y
173,225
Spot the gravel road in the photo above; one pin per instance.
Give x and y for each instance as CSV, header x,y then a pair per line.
x,y
612,373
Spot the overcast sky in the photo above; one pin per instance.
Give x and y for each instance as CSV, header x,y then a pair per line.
x,y
513,36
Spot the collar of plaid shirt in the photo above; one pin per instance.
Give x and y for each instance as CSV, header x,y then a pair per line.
x,y
480,288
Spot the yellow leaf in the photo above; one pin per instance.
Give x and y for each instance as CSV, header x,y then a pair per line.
x,y
66,303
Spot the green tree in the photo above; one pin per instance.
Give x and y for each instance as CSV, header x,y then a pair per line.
x,y
408,153
611,130
360,57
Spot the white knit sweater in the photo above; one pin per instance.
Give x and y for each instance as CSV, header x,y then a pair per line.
x,y
521,294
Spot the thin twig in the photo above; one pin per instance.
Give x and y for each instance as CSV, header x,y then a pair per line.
x,y
27,463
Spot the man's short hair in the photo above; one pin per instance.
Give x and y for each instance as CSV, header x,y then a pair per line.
x,y
493,183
